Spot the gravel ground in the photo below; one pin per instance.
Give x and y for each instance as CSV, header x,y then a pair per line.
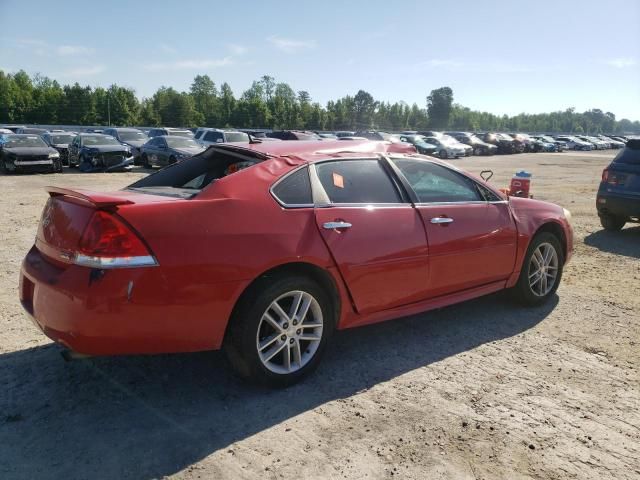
x,y
483,389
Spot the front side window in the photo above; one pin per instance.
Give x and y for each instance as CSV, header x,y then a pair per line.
x,y
295,189
434,183
357,181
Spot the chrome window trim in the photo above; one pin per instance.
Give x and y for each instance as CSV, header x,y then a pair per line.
x,y
282,179
475,202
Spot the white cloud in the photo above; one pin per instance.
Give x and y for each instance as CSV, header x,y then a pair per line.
x,y
237,49
84,71
290,45
167,48
624,62
69,50
189,64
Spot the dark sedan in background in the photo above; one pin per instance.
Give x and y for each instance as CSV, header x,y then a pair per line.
x,y
479,147
421,145
28,153
93,152
618,200
165,150
60,141
132,137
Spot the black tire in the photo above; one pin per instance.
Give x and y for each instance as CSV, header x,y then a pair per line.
x,y
145,161
240,343
57,166
612,223
443,154
3,167
522,292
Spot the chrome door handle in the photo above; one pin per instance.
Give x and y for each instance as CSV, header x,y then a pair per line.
x,y
437,220
335,225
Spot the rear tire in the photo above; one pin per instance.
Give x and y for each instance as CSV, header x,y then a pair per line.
x,y
541,271
145,161
612,223
298,340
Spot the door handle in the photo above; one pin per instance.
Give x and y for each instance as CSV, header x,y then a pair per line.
x,y
441,220
336,225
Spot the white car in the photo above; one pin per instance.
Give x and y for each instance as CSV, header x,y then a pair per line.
x,y
574,143
446,149
211,136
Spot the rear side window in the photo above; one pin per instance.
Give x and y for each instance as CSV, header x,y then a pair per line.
x,y
630,154
357,181
294,189
434,183
213,137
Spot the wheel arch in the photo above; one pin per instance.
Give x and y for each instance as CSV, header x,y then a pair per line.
x,y
320,275
558,231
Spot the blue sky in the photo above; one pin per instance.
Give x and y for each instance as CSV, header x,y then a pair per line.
x,y
498,56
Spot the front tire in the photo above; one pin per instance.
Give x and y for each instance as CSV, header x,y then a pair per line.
x,y
541,270
145,161
612,223
443,154
279,330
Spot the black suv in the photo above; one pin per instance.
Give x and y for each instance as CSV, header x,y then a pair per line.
x,y
618,200
479,147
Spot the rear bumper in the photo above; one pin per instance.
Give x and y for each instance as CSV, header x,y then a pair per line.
x,y
127,310
618,205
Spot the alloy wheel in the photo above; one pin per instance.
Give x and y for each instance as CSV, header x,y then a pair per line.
x,y
543,269
289,332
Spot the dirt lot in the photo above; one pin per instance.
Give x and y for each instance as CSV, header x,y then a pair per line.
x,y
479,390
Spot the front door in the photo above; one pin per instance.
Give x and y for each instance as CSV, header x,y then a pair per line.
x,y
471,234
376,237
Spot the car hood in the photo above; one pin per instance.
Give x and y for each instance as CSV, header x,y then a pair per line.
x,y
135,143
106,148
19,151
60,145
189,151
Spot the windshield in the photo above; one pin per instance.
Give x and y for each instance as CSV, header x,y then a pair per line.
x,y
26,141
181,142
61,138
545,138
236,137
99,140
129,136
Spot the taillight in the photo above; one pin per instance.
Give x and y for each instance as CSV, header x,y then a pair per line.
x,y
108,242
605,175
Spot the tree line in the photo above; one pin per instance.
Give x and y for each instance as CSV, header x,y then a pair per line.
x,y
269,104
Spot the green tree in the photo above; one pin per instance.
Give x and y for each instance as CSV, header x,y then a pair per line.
x,y
439,106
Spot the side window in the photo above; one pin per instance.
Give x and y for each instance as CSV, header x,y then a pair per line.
x,y
295,189
213,137
434,183
488,195
357,181
199,134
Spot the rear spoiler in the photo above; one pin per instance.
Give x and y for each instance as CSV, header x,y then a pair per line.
x,y
97,199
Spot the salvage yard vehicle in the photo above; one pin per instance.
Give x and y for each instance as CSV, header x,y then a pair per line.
x,y
60,141
446,149
421,145
265,249
26,153
165,150
98,152
179,132
132,137
479,147
574,143
211,136
618,200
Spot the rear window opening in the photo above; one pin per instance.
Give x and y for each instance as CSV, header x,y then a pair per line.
x,y
189,177
630,154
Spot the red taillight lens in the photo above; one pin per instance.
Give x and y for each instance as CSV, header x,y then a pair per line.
x,y
605,175
108,242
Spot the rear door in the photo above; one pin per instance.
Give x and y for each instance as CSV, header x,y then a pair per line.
x,y
376,237
470,230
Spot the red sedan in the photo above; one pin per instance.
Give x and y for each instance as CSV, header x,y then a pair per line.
x,y
265,249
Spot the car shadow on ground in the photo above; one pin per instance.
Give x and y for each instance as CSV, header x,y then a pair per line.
x,y
151,416
625,242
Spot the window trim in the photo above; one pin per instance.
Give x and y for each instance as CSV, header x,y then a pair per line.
x,y
282,179
322,200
